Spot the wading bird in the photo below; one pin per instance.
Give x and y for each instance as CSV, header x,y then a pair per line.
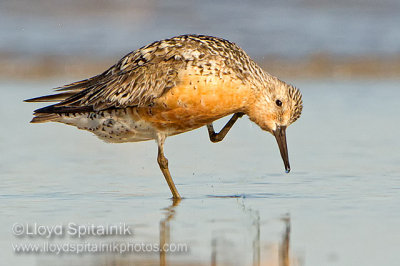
x,y
173,86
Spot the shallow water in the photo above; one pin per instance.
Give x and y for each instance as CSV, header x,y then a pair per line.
x,y
341,200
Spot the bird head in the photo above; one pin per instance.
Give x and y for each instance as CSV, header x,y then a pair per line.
x,y
276,107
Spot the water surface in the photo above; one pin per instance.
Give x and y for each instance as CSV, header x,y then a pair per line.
x,y
341,200
263,28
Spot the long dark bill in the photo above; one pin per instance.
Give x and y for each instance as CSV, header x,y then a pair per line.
x,y
280,135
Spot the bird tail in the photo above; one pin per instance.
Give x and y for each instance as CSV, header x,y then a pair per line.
x,y
42,118
42,115
52,112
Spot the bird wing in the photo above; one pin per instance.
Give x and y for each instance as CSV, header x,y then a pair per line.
x,y
136,80
145,74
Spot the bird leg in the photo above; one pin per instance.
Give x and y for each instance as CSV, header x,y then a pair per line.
x,y
163,163
217,137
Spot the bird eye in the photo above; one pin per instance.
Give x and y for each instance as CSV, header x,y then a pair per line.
x,y
278,102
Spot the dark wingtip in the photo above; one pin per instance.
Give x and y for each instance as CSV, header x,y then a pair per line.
x,y
29,100
36,99
51,98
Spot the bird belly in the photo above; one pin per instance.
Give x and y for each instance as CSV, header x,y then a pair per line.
x,y
116,126
196,101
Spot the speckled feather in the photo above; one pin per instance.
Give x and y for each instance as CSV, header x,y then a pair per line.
x,y
147,73
174,85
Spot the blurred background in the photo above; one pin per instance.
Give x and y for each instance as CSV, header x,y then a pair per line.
x,y
338,206
302,38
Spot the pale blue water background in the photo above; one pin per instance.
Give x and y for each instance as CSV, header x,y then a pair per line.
x,y
263,28
342,196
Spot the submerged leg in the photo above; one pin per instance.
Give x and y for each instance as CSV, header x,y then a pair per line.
x,y
216,137
163,163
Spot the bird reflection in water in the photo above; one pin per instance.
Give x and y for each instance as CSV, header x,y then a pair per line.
x,y
263,254
270,253
165,229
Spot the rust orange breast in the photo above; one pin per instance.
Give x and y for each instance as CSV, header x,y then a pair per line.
x,y
197,100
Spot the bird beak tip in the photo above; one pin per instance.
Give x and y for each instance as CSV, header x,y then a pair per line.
x,y
280,135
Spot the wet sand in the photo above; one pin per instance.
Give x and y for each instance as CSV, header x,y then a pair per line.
x,y
316,66
300,39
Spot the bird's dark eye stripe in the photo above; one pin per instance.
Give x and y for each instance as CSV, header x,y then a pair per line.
x,y
278,102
